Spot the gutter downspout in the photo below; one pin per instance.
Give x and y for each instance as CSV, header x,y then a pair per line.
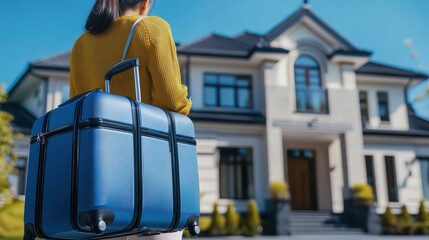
x,y
188,74
407,103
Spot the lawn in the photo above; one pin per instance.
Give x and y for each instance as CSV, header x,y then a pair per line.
x,y
12,221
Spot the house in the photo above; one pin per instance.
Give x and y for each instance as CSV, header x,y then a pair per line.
x,y
300,103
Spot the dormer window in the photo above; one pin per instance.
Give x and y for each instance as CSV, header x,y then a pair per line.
x,y
311,96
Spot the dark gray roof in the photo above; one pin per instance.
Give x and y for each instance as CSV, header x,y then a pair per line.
x,y
417,122
373,68
23,120
359,53
419,128
414,133
243,46
227,117
251,39
57,62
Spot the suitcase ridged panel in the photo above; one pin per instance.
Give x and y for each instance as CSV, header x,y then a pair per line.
x,y
107,106
153,118
189,183
37,127
184,125
32,173
106,175
63,116
57,185
31,187
157,211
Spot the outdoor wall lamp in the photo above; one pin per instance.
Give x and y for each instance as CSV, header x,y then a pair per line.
x,y
409,166
312,122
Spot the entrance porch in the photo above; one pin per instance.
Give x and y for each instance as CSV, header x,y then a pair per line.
x,y
314,169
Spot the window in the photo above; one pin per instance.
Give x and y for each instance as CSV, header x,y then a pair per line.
x,y
236,173
222,90
383,106
21,167
392,187
363,99
65,91
310,95
370,174
424,168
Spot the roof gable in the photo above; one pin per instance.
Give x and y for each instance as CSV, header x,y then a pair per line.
x,y
298,17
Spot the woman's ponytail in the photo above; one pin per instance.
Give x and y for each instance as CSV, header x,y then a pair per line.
x,y
102,15
105,11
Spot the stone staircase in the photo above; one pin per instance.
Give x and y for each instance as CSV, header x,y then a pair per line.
x,y
312,222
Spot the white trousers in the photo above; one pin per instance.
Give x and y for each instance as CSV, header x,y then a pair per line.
x,y
165,236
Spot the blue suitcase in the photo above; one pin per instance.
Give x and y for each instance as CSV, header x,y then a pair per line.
x,y
104,165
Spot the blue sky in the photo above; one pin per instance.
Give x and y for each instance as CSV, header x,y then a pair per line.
x,y
31,30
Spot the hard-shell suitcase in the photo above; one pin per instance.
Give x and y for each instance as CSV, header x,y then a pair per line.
x,y
103,165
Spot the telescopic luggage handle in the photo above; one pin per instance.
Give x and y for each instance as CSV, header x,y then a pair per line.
x,y
122,67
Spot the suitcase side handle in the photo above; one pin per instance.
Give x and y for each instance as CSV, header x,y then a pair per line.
x,y
122,67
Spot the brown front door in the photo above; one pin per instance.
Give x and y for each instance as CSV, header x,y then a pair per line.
x,y
301,182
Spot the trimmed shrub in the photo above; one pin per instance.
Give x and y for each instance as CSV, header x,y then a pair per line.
x,y
279,190
253,220
422,220
232,224
217,226
422,216
389,222
405,222
363,194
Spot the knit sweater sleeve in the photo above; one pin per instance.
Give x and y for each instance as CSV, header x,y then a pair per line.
x,y
163,66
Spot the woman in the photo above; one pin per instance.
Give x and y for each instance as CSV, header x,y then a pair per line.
x,y
101,47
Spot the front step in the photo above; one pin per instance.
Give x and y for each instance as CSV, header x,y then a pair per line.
x,y
320,223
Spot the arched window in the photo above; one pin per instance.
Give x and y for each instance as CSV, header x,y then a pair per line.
x,y
310,94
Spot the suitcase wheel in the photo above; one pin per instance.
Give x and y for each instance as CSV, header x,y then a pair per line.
x,y
97,220
193,226
99,227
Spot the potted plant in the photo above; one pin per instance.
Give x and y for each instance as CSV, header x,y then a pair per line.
x,y
363,197
278,210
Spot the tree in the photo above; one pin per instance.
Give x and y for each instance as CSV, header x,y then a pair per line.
x,y
7,156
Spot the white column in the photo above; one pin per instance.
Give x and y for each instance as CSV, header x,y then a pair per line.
x,y
274,135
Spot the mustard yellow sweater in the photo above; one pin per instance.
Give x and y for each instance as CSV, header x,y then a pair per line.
x,y
93,55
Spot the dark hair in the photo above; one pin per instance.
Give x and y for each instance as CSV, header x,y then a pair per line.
x,y
105,11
